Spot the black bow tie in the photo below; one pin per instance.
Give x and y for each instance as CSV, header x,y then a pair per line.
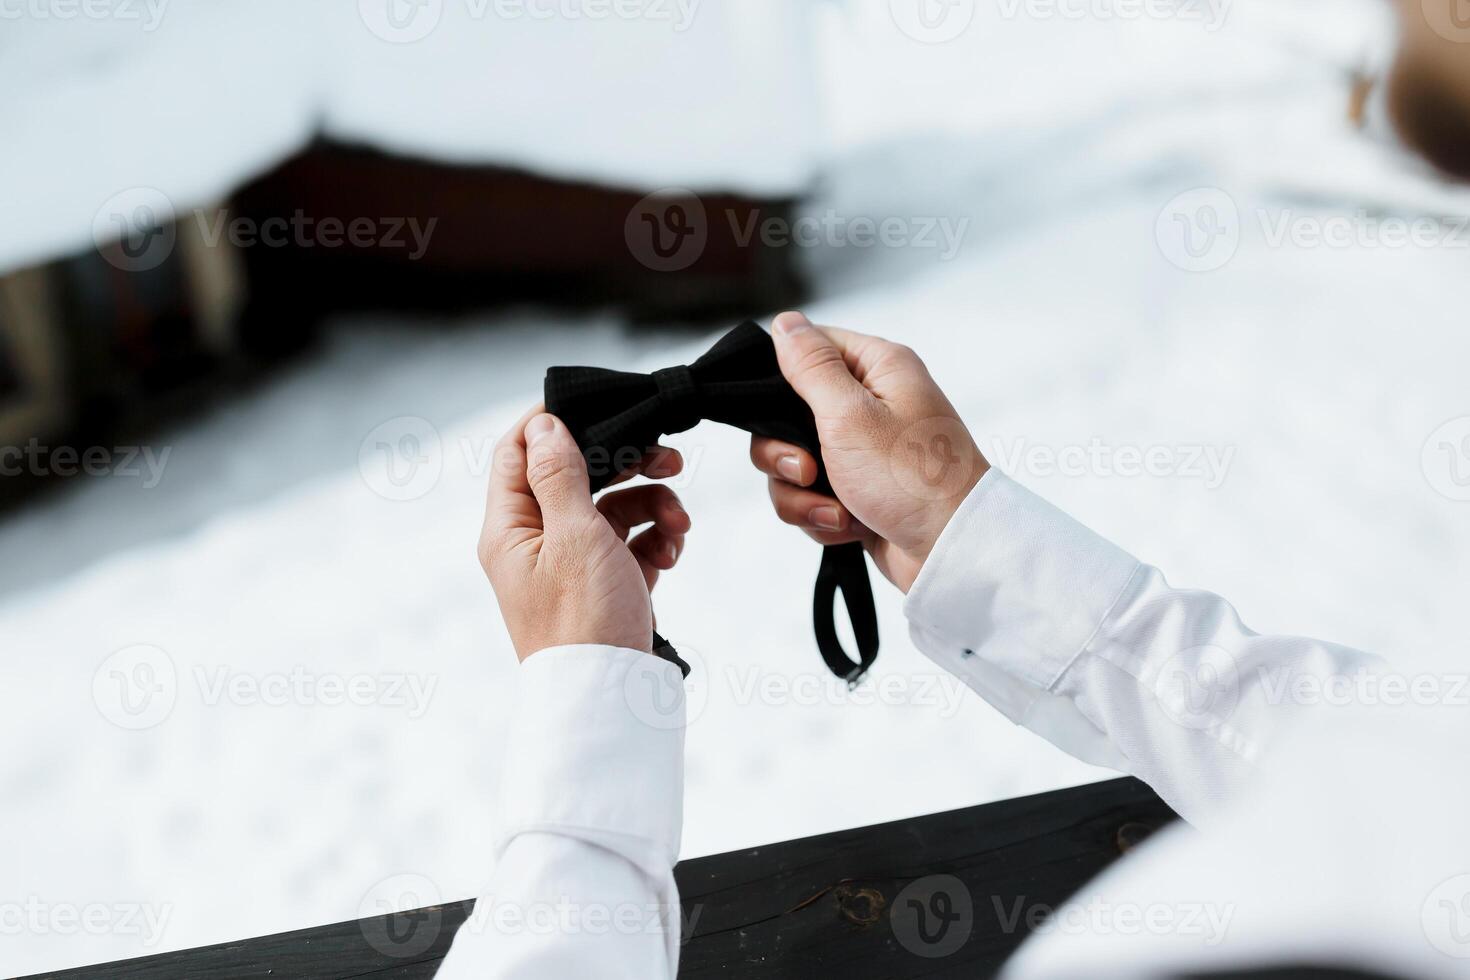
x,y
616,415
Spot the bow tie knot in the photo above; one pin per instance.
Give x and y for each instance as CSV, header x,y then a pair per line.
x,y
679,396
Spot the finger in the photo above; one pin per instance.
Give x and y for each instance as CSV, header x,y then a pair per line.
x,y
511,513
855,533
783,461
557,474
656,551
815,366
659,463
872,360
652,503
807,509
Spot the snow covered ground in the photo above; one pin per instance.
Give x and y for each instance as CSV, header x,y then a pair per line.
x,y
1292,387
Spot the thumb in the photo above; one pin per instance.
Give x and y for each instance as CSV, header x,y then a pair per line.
x,y
556,473
814,365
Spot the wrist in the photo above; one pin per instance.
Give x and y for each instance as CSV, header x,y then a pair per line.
x,y
584,645
937,519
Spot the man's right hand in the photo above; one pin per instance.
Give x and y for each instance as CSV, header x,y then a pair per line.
x,y
895,450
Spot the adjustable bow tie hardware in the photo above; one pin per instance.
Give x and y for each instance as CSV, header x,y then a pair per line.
x,y
615,415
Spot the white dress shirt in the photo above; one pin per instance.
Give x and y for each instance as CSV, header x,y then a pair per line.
x,y
1331,798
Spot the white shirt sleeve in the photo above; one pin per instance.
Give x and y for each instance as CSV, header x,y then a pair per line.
x,y
1075,639
587,830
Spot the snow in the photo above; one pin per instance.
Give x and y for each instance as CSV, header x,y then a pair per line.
x,y
1318,373
96,108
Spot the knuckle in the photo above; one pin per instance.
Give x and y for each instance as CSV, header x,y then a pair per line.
x,y
546,466
817,359
488,551
902,352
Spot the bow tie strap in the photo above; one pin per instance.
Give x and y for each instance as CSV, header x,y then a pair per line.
x,y
664,650
844,567
616,415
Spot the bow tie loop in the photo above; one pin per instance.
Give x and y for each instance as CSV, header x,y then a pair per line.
x,y
678,395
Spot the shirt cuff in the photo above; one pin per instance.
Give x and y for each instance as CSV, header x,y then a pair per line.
x,y
1015,582
596,752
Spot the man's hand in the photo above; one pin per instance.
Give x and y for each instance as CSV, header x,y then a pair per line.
x,y
895,451
561,566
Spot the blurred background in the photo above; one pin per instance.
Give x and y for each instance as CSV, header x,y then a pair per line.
x,y
274,275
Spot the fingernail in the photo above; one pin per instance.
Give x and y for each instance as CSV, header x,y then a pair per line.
x,y
677,506
790,323
539,428
672,550
826,517
790,468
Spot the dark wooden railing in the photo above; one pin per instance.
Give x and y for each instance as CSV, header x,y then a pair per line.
x,y
947,895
